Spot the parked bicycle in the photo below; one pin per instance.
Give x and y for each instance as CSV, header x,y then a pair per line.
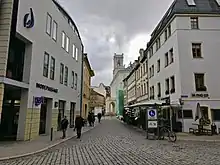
x,y
165,131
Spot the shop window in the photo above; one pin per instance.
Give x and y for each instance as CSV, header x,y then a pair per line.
x,y
187,113
215,114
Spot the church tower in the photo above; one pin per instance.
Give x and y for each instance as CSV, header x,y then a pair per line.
x,y
118,63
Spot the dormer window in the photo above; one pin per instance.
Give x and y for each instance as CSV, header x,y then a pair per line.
x,y
191,2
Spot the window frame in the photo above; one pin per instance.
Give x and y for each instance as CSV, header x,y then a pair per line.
x,y
76,81
50,24
66,75
167,85
73,79
166,61
54,33
200,85
67,44
61,73
194,22
63,40
46,65
196,49
171,56
52,67
158,65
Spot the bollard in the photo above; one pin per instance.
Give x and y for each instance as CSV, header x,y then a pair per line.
x,y
51,134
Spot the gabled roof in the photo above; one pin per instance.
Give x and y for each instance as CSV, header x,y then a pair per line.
x,y
182,7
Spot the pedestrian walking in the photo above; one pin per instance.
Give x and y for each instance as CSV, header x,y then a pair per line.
x,y
78,126
99,117
64,124
90,119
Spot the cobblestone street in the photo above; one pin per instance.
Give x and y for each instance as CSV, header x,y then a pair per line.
x,y
113,143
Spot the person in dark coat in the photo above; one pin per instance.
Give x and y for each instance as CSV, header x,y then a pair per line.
x,y
93,119
99,117
64,124
90,119
78,125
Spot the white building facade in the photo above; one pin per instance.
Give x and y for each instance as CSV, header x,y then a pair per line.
x,y
50,84
182,61
184,52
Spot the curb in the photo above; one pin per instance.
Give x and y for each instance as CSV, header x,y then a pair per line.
x,y
41,150
198,140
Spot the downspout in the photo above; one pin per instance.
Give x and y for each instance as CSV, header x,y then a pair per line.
x,y
81,90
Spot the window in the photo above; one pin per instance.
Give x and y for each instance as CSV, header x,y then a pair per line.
x,y
196,50
67,43
74,51
46,64
152,92
158,90
146,67
54,31
158,66
215,114
194,23
66,76
76,56
152,70
187,114
147,87
171,55
63,39
169,31
199,82
172,79
191,2
157,43
48,24
76,79
72,85
165,35
61,73
52,68
167,85
166,60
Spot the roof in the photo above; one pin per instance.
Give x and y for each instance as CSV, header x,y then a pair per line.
x,y
182,7
69,17
86,60
93,92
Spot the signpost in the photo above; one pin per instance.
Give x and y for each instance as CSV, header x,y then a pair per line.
x,y
152,123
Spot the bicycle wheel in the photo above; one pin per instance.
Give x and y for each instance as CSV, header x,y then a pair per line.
x,y
172,136
163,133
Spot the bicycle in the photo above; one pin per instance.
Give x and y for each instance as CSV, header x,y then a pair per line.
x,y
164,131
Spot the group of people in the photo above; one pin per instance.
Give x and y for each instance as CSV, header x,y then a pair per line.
x,y
79,123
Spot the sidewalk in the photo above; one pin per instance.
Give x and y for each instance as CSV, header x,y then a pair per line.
x,y
182,136
9,150
190,137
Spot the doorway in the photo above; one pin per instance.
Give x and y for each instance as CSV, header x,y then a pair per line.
x,y
43,117
72,114
10,113
60,113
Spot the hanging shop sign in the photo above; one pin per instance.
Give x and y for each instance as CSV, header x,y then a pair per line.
x,y
47,88
38,100
202,95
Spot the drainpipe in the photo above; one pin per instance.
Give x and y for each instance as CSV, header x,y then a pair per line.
x,y
81,87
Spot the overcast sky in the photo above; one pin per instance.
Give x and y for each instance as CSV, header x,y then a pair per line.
x,y
114,26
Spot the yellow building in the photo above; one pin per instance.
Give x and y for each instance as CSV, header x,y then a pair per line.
x,y
88,73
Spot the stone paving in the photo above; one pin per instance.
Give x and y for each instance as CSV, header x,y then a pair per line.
x,y
113,143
